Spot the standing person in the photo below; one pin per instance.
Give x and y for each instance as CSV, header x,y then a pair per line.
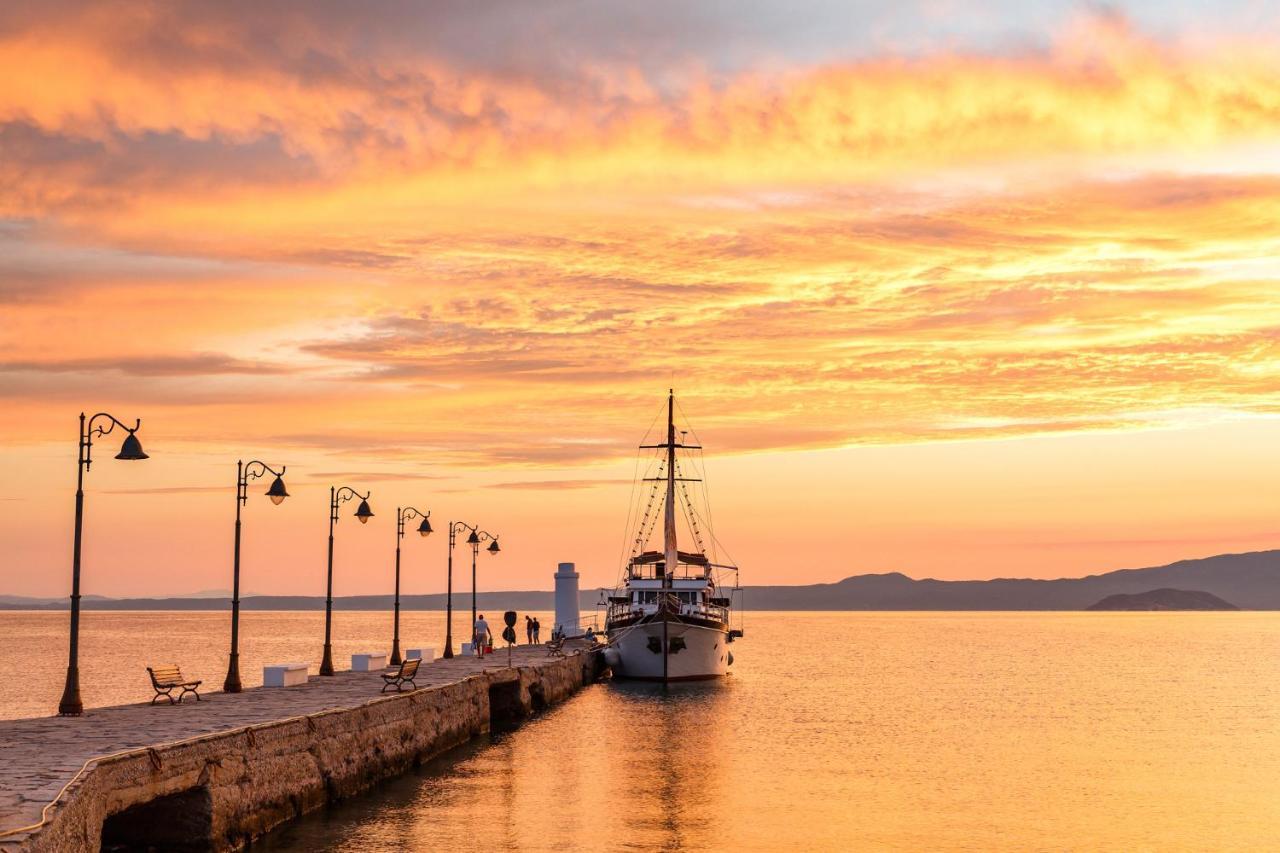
x,y
528,628
482,636
537,630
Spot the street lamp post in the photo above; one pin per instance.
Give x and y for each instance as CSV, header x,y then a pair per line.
x,y
473,540
336,497
424,530
70,704
277,493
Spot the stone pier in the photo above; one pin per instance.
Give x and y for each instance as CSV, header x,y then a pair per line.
x,y
214,775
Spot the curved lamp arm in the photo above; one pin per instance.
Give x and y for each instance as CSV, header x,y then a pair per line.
x,y
91,431
344,494
480,535
403,513
493,542
262,470
347,493
457,527
252,471
101,430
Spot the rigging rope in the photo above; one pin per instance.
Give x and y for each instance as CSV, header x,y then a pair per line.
x,y
690,513
633,505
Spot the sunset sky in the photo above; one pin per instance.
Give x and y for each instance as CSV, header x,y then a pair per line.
x,y
959,294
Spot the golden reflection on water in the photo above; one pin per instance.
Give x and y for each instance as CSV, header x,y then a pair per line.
x,y
910,731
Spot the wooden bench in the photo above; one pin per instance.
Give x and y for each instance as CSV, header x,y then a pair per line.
x,y
555,648
404,674
165,679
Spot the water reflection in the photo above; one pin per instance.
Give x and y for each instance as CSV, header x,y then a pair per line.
x,y
903,732
671,744
645,768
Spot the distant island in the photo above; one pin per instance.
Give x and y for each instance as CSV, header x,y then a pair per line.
x,y
1251,581
1164,599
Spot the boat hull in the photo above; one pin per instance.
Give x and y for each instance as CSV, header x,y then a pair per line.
x,y
692,652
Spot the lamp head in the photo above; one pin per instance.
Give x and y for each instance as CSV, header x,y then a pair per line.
x,y
473,539
493,547
364,513
424,529
277,492
132,448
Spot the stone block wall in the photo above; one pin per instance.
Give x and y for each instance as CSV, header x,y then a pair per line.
x,y
226,789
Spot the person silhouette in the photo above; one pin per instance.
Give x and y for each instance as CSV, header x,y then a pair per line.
x,y
528,628
483,636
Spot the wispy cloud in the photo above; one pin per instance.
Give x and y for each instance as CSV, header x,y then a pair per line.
x,y
171,490
499,257
375,476
556,485
201,364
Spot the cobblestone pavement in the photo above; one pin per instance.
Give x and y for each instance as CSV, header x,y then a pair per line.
x,y
39,756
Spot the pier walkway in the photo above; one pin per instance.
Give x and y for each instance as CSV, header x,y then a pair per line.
x,y
40,757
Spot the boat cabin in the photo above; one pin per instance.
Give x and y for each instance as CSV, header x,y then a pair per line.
x,y
697,597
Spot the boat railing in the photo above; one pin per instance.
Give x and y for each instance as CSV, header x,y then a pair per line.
x,y
622,609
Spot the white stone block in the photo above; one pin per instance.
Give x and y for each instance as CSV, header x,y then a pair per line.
x,y
426,655
284,674
369,661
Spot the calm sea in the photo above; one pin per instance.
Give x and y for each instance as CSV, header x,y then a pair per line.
x,y
912,731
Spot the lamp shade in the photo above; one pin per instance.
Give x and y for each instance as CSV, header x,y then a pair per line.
x,y
493,547
473,539
277,492
132,448
364,513
424,529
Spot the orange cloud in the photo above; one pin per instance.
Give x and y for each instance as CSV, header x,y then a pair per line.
x,y
291,233
106,109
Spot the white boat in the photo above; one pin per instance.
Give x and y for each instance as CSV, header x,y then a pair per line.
x,y
670,618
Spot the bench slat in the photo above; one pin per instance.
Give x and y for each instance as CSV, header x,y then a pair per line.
x,y
167,678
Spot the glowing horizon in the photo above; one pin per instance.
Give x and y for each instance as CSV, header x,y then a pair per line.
x,y
955,299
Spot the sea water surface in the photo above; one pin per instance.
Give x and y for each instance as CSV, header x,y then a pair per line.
x,y
903,731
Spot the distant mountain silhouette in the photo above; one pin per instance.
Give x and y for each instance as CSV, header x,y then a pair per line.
x,y
27,602
1164,599
1250,581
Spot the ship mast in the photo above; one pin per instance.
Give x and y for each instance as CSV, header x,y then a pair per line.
x,y
669,522
669,528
